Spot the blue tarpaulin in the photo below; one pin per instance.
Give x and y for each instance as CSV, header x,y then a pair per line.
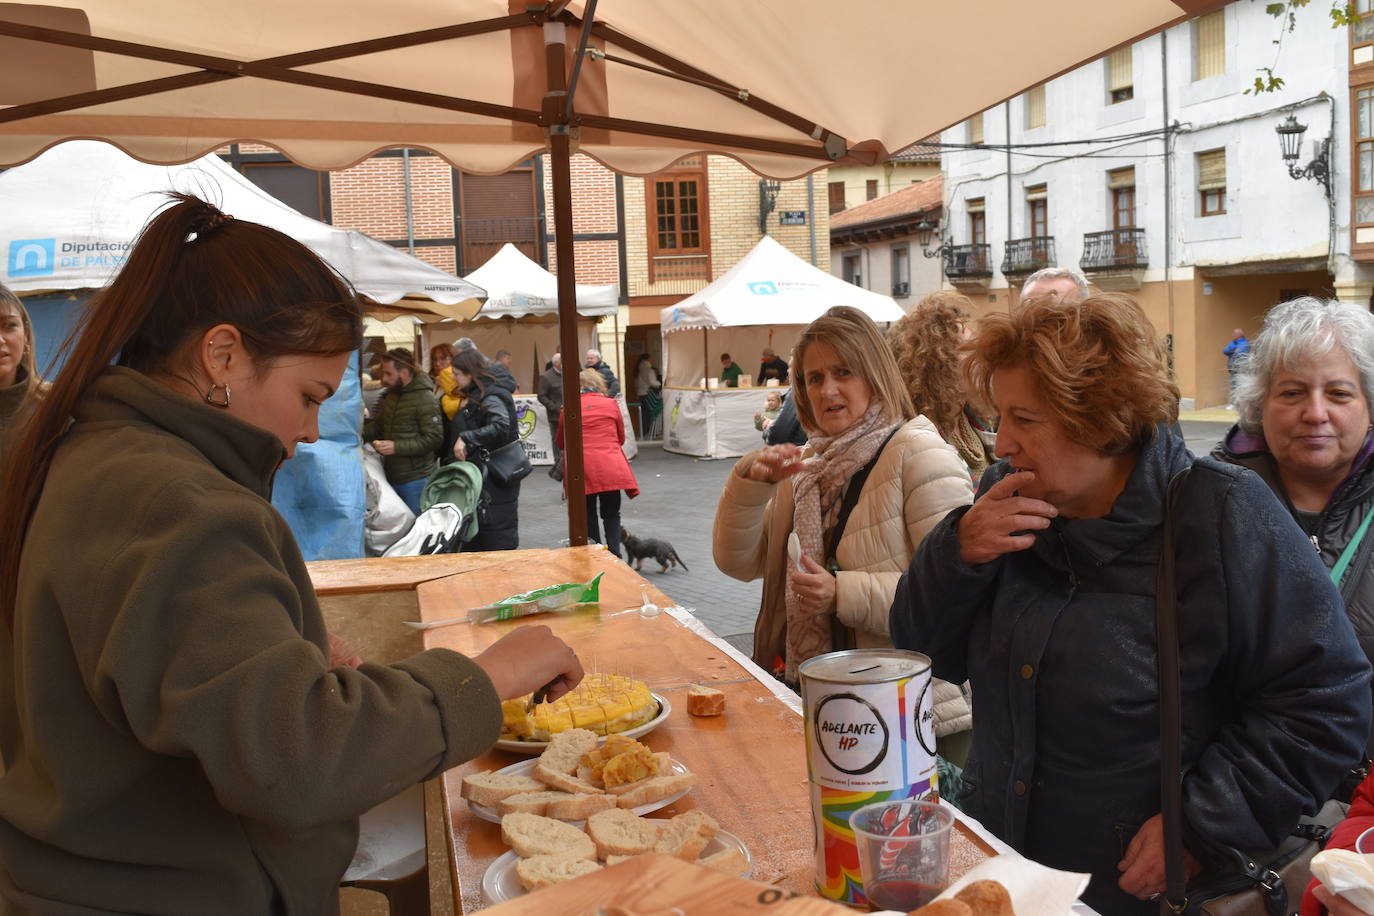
x,y
320,490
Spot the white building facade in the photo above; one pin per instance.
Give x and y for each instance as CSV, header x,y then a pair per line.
x,y
1156,173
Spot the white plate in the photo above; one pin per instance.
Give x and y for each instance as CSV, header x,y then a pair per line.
x,y
500,882
526,768
537,747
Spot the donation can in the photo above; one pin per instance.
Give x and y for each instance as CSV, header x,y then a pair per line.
x,y
870,737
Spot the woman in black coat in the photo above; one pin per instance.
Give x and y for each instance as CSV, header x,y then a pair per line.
x,y
1042,595
484,423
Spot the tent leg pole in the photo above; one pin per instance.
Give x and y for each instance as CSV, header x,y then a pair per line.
x,y
573,467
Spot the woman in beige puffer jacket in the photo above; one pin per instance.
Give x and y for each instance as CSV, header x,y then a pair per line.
x,y
914,480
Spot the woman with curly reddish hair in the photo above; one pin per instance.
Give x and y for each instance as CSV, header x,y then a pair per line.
x,y
926,344
1043,595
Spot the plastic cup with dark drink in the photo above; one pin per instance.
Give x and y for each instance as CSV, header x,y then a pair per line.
x,y
903,852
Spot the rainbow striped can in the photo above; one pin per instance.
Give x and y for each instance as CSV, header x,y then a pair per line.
x,y
870,737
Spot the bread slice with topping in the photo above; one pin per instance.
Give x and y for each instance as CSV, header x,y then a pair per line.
x,y
490,788
533,835
623,833
548,870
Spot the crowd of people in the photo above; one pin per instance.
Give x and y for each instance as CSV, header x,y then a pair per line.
x,y
991,493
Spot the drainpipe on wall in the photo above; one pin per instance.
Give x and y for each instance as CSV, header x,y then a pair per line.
x,y
1168,188
1006,111
410,212
811,213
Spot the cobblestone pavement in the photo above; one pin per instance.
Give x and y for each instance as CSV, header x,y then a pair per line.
x,y
677,503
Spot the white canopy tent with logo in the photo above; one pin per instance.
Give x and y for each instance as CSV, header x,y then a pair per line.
x,y
488,83
765,300
521,316
71,215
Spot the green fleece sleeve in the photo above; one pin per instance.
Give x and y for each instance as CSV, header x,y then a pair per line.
x,y
197,644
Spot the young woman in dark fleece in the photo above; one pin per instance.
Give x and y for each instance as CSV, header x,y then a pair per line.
x,y
176,735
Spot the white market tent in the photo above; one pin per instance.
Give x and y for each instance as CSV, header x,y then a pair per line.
x,y
766,300
71,215
521,314
488,83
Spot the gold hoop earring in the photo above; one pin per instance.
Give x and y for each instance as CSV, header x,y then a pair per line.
x,y
210,396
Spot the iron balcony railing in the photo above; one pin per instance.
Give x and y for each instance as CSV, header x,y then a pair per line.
x,y
1026,255
1114,249
968,261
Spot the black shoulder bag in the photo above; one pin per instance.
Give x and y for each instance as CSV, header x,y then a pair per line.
x,y
1249,885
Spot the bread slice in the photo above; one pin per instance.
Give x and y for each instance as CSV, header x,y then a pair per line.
x,y
656,789
686,835
579,807
564,782
489,788
616,860
531,802
705,701
623,833
729,860
548,870
565,750
533,835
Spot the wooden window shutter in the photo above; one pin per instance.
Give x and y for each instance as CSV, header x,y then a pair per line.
x,y
976,205
1037,192
1121,178
836,196
1119,74
1209,45
1035,107
1211,170
975,128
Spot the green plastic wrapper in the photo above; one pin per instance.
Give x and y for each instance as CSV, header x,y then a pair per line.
x,y
562,596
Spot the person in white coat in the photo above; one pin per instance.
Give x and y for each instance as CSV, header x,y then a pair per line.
x,y
861,495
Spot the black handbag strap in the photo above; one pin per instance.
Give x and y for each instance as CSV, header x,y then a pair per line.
x,y
1170,710
851,498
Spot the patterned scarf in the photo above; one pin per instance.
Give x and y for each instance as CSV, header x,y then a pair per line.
x,y
818,492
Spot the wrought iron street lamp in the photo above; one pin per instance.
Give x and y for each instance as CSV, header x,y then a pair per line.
x,y
925,229
1290,145
768,200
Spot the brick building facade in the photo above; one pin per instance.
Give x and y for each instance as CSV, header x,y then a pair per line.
x,y
704,213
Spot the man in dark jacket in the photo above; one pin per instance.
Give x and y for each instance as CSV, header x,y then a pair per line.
x,y
500,371
551,396
772,366
594,361
1059,641
408,427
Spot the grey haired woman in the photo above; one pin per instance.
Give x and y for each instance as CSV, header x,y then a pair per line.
x,y
1304,395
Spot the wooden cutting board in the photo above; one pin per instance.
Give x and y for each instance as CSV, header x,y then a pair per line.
x,y
664,886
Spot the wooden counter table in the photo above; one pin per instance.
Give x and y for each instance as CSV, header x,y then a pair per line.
x,y
750,762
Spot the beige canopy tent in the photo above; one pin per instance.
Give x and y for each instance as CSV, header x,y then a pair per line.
x,y
786,88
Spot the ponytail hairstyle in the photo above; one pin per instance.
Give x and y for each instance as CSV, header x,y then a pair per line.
x,y
193,267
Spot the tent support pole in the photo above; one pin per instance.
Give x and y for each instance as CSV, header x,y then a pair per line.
x,y
560,160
